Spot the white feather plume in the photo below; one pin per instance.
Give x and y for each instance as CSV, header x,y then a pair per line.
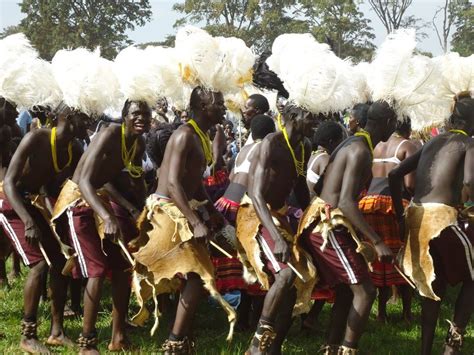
x,y
315,77
359,81
392,54
25,79
87,81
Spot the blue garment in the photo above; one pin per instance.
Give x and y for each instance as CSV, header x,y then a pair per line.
x,y
23,120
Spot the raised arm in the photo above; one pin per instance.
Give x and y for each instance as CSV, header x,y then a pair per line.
x,y
259,175
13,176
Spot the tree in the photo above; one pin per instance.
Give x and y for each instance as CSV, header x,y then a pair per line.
x,y
258,23
462,41
449,12
10,30
342,25
55,24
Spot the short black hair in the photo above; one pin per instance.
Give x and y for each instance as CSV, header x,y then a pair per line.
x,y
359,112
462,109
197,96
380,110
127,104
327,131
261,125
260,102
404,126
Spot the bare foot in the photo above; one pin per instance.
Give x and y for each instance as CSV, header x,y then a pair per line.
x,y
118,345
60,340
88,351
33,346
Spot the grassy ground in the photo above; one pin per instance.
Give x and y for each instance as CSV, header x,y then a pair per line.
x,y
211,329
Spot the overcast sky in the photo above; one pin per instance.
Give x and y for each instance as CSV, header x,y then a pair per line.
x,y
163,18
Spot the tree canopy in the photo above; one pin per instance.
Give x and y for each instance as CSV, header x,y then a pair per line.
x,y
463,38
55,24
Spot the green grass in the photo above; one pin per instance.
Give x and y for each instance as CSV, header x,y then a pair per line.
x,y
211,329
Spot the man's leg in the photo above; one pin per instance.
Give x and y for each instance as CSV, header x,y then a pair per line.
x,y
429,316
407,295
120,299
3,273
16,270
462,312
271,308
384,295
92,295
58,300
188,302
364,296
284,321
339,314
31,296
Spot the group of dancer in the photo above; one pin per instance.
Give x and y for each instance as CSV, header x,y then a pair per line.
x,y
309,211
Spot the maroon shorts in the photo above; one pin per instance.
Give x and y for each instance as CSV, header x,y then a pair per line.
x,y
339,263
96,258
453,255
14,229
267,257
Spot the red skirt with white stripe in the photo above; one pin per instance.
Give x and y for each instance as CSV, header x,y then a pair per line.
x,y
339,263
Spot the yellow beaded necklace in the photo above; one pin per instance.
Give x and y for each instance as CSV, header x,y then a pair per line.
x,y
128,156
205,141
299,165
460,131
55,155
366,135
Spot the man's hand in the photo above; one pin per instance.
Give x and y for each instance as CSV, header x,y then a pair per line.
x,y
281,250
201,232
111,228
384,253
32,233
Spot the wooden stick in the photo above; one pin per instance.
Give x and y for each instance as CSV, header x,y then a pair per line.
x,y
126,252
220,249
296,272
404,276
44,254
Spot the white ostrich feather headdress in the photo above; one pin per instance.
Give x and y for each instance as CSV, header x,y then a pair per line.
x,y
25,79
316,79
87,81
215,63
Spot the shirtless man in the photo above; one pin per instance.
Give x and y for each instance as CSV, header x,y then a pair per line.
x,y
278,167
256,104
358,118
336,209
437,247
113,153
229,270
188,153
36,166
378,211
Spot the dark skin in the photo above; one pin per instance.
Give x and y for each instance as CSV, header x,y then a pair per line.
x,y
444,167
181,179
249,112
31,169
271,178
320,165
386,150
344,179
101,166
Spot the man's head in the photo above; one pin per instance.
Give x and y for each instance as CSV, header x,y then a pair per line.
x,y
403,128
162,106
261,125
381,120
208,104
256,104
137,116
358,117
8,112
328,135
303,121
76,121
463,114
